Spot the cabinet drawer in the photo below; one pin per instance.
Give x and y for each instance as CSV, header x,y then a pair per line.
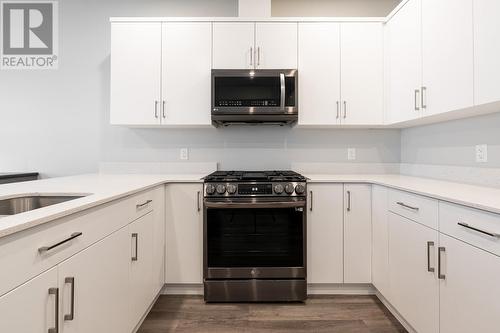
x,y
414,207
20,254
476,227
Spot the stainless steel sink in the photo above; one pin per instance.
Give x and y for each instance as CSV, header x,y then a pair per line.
x,y
26,203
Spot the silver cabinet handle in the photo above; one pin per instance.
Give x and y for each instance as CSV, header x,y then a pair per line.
x,y
345,109
71,315
50,247
440,275
135,236
417,107
251,55
423,101
348,201
311,198
402,204
429,268
163,110
156,109
258,55
198,200
138,206
489,233
55,292
338,109
283,91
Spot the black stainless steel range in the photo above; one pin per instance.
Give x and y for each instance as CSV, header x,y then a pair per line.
x,y
254,236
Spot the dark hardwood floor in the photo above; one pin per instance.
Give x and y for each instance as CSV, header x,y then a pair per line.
x,y
335,314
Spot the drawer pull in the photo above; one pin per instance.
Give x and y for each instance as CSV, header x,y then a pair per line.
x,y
402,204
48,248
138,206
489,233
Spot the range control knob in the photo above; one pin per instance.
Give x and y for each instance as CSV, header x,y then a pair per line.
x,y
210,189
300,189
289,188
231,189
221,189
278,188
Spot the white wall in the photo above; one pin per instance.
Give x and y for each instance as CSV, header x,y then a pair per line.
x,y
333,7
57,122
453,143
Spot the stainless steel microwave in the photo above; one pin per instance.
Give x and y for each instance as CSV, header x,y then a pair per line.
x,y
265,96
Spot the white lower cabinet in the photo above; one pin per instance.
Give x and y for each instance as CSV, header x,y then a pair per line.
x,y
325,233
93,288
31,307
413,273
184,234
141,266
469,292
380,239
357,233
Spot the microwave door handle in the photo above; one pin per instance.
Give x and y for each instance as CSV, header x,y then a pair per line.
x,y
282,83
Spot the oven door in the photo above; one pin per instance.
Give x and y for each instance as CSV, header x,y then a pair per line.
x,y
241,92
251,238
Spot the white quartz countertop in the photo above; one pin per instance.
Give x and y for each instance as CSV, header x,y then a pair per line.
x,y
480,197
103,188
98,188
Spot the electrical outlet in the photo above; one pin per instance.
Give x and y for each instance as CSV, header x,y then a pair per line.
x,y
482,153
351,154
184,154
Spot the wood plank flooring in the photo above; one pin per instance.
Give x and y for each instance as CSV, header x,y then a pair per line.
x,y
332,314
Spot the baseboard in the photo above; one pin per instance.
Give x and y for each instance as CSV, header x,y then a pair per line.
x,y
394,312
340,289
182,289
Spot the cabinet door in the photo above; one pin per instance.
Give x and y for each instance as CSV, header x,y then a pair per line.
x,y
380,246
135,73
469,293
319,70
404,63
187,48
414,289
276,45
30,307
486,51
184,233
447,41
142,282
159,238
233,45
325,233
357,233
362,73
99,277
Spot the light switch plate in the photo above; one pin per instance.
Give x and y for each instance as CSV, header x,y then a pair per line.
x,y
482,153
184,154
351,154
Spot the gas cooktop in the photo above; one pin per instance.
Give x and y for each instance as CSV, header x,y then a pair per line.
x,y
255,183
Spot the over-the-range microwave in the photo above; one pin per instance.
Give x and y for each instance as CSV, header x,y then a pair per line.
x,y
264,96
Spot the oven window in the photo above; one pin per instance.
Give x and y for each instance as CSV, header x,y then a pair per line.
x,y
255,237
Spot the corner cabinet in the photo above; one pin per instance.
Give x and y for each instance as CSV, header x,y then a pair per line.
x,y
160,73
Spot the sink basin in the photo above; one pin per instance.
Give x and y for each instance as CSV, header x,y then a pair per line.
x,y
26,203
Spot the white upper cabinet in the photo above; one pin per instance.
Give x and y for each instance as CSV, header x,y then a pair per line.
x,y
276,45
361,46
404,61
447,56
319,73
185,72
233,45
135,73
486,51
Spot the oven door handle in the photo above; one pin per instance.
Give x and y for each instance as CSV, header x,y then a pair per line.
x,y
270,204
